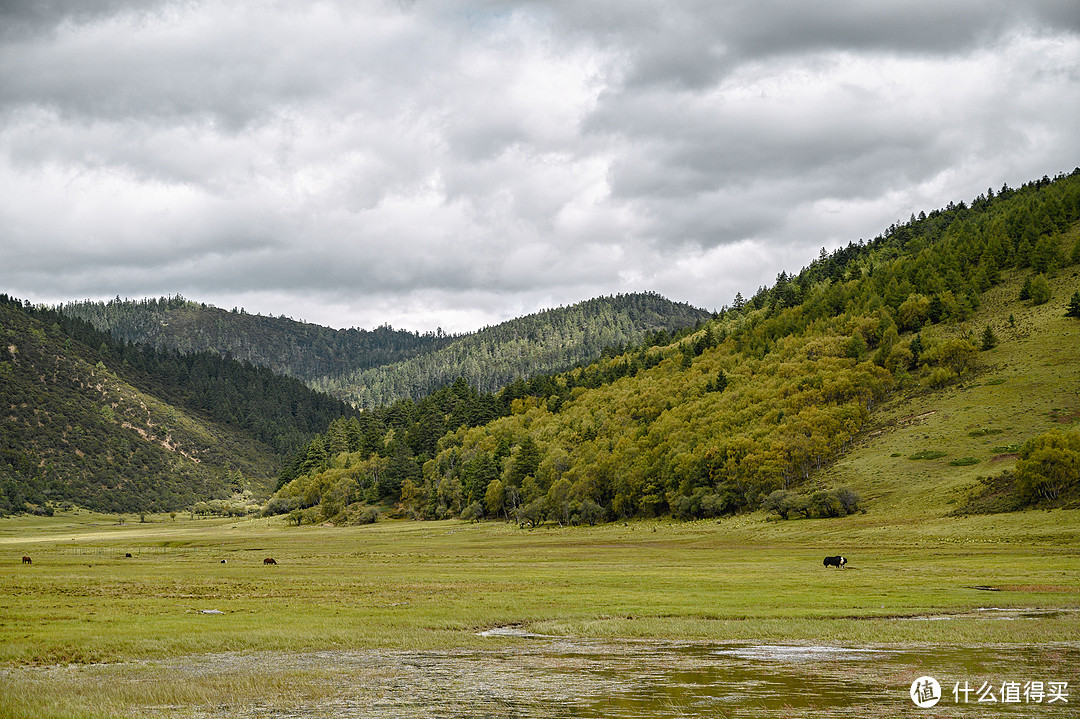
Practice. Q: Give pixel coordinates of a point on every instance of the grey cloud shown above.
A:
(704, 32)
(28, 18)
(846, 128)
(478, 157)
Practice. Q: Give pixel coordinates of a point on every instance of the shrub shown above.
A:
(1040, 290)
(826, 504)
(532, 513)
(474, 512)
(959, 355)
(940, 376)
(913, 312)
(369, 515)
(702, 504)
(773, 502)
(823, 503)
(311, 515)
(587, 512)
(713, 505)
(964, 462)
(280, 505)
(849, 499)
(785, 503)
(1049, 466)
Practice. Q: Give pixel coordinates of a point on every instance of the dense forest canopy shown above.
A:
(378, 367)
(550, 341)
(714, 421)
(299, 349)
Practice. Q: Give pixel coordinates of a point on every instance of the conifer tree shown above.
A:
(1045, 256)
(1025, 290)
(1074, 306)
(719, 384)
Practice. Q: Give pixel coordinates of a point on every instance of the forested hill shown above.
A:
(286, 346)
(378, 367)
(745, 411)
(543, 343)
(102, 424)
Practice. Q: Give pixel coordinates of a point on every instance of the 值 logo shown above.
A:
(925, 692)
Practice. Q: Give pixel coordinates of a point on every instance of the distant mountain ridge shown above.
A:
(553, 340)
(286, 346)
(377, 367)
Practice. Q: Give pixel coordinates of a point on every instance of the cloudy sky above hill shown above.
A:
(454, 164)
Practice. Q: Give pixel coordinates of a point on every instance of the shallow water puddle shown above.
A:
(541, 676)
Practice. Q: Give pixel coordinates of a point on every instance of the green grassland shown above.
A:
(435, 584)
(432, 586)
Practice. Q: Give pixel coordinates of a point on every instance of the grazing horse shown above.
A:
(27, 560)
(269, 560)
(837, 562)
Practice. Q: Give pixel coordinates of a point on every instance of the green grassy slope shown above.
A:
(1028, 384)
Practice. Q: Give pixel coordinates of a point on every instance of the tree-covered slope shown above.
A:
(298, 349)
(106, 425)
(746, 411)
(550, 341)
(378, 367)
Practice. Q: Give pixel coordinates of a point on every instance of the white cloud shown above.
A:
(459, 164)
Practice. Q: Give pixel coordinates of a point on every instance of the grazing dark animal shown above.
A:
(837, 562)
(127, 556)
(27, 560)
(269, 560)
(224, 561)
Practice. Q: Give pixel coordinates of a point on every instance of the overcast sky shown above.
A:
(455, 164)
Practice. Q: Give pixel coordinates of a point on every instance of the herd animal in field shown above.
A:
(268, 560)
(837, 561)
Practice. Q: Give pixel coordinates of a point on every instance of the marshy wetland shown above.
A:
(644, 619)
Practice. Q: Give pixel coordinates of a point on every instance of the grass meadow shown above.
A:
(86, 627)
